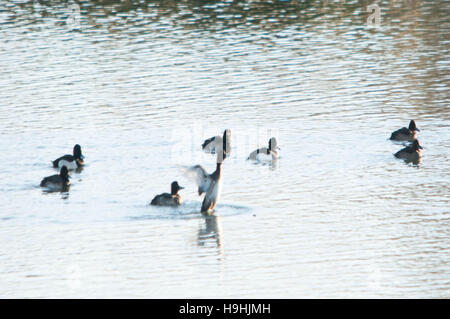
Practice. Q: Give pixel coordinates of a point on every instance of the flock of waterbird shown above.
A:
(211, 184)
(208, 184)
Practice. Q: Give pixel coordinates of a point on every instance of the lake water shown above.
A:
(140, 84)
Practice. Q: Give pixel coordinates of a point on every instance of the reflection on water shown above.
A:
(78, 170)
(211, 232)
(268, 15)
(141, 84)
(64, 193)
(415, 161)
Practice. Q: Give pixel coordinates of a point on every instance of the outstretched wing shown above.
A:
(208, 142)
(199, 175)
(211, 145)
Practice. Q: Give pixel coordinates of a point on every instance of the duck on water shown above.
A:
(406, 134)
(269, 153)
(58, 182)
(166, 199)
(70, 161)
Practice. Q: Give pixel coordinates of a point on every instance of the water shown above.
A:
(140, 84)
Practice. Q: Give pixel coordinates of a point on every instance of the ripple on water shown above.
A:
(189, 210)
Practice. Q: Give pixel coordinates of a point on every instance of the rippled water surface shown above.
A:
(140, 84)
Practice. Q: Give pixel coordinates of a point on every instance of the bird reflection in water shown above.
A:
(415, 162)
(211, 233)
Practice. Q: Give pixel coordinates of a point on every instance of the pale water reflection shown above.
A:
(141, 84)
(211, 234)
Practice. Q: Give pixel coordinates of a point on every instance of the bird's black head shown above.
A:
(77, 152)
(273, 145)
(412, 126)
(175, 188)
(64, 172)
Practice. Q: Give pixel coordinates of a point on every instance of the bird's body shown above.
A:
(212, 196)
(215, 144)
(408, 134)
(70, 161)
(58, 182)
(166, 199)
(208, 184)
(66, 160)
(263, 154)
